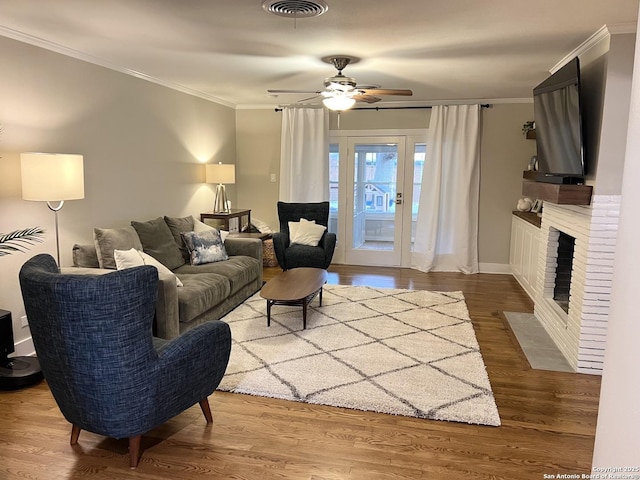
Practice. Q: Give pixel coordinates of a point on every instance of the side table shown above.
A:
(260, 236)
(236, 221)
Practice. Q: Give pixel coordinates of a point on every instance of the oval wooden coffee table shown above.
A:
(297, 286)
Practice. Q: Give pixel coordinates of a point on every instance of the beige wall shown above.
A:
(381, 119)
(615, 114)
(141, 142)
(605, 74)
(258, 147)
(505, 154)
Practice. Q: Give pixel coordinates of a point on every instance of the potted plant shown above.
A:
(529, 129)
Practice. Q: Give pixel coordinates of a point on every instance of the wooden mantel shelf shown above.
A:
(556, 193)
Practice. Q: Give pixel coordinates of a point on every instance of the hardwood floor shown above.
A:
(548, 420)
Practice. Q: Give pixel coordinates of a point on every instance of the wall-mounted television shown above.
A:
(559, 126)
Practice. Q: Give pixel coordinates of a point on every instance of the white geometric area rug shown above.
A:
(403, 352)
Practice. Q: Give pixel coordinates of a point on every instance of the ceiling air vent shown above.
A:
(295, 8)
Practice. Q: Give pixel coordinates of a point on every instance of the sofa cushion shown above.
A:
(177, 225)
(200, 293)
(85, 256)
(205, 247)
(157, 241)
(108, 239)
(238, 270)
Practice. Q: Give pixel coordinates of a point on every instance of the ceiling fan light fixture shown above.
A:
(339, 103)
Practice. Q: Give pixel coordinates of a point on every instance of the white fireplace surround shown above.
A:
(581, 333)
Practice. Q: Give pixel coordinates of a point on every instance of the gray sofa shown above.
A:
(209, 290)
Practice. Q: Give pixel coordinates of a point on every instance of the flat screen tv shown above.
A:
(558, 117)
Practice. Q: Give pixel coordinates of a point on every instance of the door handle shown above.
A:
(398, 201)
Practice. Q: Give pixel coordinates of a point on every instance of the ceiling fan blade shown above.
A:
(276, 92)
(366, 98)
(387, 91)
(307, 99)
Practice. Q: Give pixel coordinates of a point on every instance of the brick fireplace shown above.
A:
(575, 269)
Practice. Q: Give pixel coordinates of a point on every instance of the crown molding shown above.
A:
(602, 33)
(85, 57)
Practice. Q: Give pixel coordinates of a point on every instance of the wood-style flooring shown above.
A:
(548, 420)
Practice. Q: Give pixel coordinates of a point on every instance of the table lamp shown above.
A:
(52, 177)
(220, 173)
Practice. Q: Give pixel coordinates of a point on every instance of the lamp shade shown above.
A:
(51, 177)
(220, 173)
(339, 102)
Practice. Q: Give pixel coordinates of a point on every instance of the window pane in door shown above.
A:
(375, 172)
(418, 165)
(334, 178)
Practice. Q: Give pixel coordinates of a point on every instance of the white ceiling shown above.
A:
(233, 51)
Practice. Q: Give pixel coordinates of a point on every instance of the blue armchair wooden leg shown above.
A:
(206, 409)
(134, 451)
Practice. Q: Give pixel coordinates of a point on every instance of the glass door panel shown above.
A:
(419, 152)
(376, 201)
(334, 184)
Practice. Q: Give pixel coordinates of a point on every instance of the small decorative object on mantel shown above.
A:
(524, 204)
(537, 207)
(529, 129)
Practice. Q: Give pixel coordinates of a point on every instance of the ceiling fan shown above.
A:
(342, 92)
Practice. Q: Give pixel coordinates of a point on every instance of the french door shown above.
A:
(375, 187)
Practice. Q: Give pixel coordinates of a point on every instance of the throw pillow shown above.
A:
(205, 247)
(177, 226)
(136, 258)
(157, 241)
(293, 228)
(85, 256)
(199, 226)
(108, 239)
(305, 232)
(262, 227)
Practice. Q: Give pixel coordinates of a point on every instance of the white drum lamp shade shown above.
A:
(220, 173)
(52, 177)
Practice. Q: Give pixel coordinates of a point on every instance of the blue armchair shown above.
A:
(293, 255)
(106, 371)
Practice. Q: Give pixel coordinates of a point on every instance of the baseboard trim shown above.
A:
(502, 268)
(24, 348)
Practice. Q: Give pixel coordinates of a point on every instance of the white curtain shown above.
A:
(446, 236)
(304, 160)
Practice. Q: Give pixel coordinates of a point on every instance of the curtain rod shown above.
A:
(483, 105)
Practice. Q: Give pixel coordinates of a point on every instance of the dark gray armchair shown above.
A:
(293, 255)
(106, 371)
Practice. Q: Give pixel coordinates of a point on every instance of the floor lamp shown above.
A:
(52, 178)
(221, 173)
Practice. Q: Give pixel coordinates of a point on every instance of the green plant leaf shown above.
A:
(19, 240)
